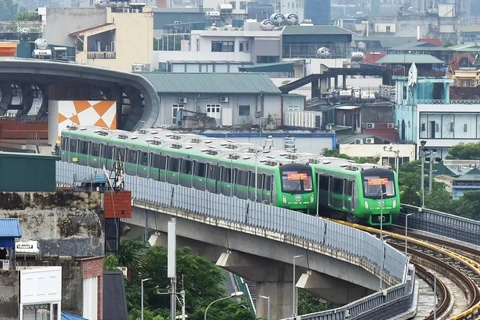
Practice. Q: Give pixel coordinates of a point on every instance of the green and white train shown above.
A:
(363, 193)
(246, 171)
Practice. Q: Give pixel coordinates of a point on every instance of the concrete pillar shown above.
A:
(315, 89)
(280, 294)
(344, 82)
(336, 81)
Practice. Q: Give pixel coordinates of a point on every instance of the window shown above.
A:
(187, 166)
(337, 185)
(373, 190)
(213, 172)
(120, 154)
(95, 150)
(244, 46)
(268, 183)
(108, 152)
(64, 143)
(173, 164)
(226, 174)
(388, 29)
(244, 110)
(132, 156)
(242, 177)
(73, 145)
(233, 4)
(199, 169)
(35, 312)
(296, 182)
(243, 5)
(176, 114)
(83, 147)
(324, 183)
(144, 158)
(214, 111)
(252, 180)
(222, 46)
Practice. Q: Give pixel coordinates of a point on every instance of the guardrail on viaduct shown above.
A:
(299, 229)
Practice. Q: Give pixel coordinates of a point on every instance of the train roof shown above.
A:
(214, 148)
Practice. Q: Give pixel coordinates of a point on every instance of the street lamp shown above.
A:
(141, 289)
(294, 299)
(422, 175)
(233, 295)
(396, 152)
(268, 306)
(406, 228)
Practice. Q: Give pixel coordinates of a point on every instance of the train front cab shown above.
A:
(380, 196)
(297, 188)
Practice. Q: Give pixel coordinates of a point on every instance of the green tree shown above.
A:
(465, 151)
(335, 153)
(110, 262)
(28, 16)
(308, 303)
(147, 315)
(8, 10)
(467, 206)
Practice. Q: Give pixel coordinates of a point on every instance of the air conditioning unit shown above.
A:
(370, 140)
(223, 99)
(390, 125)
(182, 100)
(370, 125)
(177, 22)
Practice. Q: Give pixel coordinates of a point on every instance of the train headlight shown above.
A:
(284, 199)
(365, 204)
(394, 203)
(312, 198)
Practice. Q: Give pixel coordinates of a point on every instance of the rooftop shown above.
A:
(216, 83)
(10, 228)
(409, 59)
(315, 30)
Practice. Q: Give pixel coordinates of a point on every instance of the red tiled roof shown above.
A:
(79, 32)
(372, 58)
(435, 42)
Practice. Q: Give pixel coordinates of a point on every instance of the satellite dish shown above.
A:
(41, 43)
(361, 45)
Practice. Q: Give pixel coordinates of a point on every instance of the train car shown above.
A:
(246, 171)
(364, 193)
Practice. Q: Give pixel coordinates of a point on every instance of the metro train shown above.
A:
(246, 171)
(362, 193)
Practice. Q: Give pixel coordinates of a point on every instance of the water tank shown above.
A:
(361, 45)
(41, 44)
(357, 56)
(323, 52)
(277, 18)
(292, 18)
(267, 25)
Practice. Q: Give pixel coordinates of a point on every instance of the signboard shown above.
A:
(26, 247)
(297, 176)
(377, 181)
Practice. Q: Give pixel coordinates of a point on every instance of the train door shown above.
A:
(199, 179)
(213, 178)
(251, 188)
(144, 164)
(107, 156)
(268, 186)
(94, 155)
(173, 167)
(186, 169)
(132, 162)
(330, 191)
(347, 194)
(226, 181)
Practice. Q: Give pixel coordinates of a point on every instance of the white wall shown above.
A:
(377, 150)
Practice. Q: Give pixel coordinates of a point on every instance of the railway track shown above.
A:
(444, 264)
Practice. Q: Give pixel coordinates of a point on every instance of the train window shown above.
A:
(155, 161)
(199, 169)
(83, 147)
(186, 166)
(108, 152)
(132, 156)
(119, 154)
(242, 177)
(73, 145)
(226, 174)
(252, 179)
(374, 187)
(349, 188)
(163, 162)
(64, 143)
(337, 185)
(294, 181)
(268, 183)
(173, 164)
(324, 182)
(95, 150)
(213, 171)
(143, 158)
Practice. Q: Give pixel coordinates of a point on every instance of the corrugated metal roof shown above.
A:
(269, 67)
(10, 228)
(319, 29)
(409, 59)
(219, 83)
(69, 316)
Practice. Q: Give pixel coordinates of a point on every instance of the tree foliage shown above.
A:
(27, 16)
(335, 153)
(201, 280)
(465, 151)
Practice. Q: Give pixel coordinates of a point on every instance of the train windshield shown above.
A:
(297, 181)
(375, 186)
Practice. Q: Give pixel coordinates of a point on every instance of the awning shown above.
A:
(69, 316)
